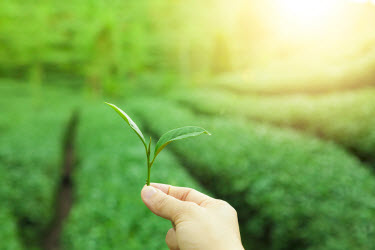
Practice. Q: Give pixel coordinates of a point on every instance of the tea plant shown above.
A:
(165, 139)
(348, 118)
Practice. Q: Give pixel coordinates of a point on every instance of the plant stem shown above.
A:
(148, 152)
(148, 174)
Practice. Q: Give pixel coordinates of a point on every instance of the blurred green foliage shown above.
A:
(102, 42)
(8, 231)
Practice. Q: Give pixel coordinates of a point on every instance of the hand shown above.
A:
(199, 221)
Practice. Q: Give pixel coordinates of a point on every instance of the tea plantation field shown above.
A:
(30, 155)
(290, 190)
(346, 118)
(297, 168)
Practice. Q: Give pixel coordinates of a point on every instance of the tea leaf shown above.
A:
(177, 134)
(129, 121)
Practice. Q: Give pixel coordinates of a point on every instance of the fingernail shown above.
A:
(148, 192)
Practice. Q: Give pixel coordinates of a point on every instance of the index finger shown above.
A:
(184, 193)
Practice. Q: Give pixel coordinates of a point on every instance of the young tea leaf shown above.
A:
(177, 134)
(173, 135)
(130, 122)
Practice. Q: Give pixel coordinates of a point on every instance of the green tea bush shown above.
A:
(108, 212)
(31, 157)
(8, 231)
(291, 191)
(347, 118)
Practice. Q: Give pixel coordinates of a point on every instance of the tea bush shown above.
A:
(291, 191)
(8, 231)
(347, 118)
(30, 156)
(108, 212)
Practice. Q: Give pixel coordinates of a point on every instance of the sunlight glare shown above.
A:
(362, 1)
(306, 11)
(359, 1)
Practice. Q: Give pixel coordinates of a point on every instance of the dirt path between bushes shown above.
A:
(64, 196)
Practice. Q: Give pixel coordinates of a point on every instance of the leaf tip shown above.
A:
(206, 132)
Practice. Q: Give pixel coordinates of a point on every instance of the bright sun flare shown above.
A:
(310, 11)
(306, 11)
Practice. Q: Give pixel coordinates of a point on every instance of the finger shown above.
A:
(171, 239)
(184, 194)
(162, 204)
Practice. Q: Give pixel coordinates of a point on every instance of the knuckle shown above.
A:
(190, 205)
(192, 209)
(222, 203)
(226, 207)
(178, 217)
(161, 204)
(187, 211)
(187, 193)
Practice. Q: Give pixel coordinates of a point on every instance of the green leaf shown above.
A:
(177, 134)
(130, 122)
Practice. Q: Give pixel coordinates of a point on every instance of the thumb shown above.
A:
(162, 204)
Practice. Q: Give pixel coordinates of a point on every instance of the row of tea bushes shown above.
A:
(108, 212)
(291, 191)
(347, 118)
(8, 231)
(30, 157)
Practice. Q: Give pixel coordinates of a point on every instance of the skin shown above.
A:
(199, 221)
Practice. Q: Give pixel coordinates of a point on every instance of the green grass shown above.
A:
(108, 212)
(346, 118)
(291, 191)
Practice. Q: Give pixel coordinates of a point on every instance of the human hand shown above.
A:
(200, 222)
